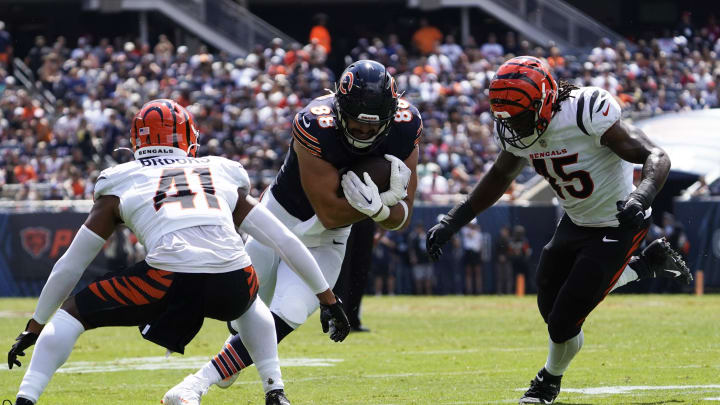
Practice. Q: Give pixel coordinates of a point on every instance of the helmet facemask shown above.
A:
(363, 145)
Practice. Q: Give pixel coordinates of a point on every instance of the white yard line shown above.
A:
(170, 363)
(626, 389)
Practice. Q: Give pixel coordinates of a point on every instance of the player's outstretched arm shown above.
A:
(67, 271)
(261, 224)
(632, 145)
(490, 188)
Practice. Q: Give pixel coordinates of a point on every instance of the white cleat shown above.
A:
(227, 382)
(188, 392)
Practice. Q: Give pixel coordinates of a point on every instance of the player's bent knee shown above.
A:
(70, 306)
(561, 332)
(294, 312)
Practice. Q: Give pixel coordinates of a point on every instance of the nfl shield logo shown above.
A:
(35, 240)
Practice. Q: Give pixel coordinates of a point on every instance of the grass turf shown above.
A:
(424, 350)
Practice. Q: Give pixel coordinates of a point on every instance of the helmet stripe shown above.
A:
(174, 131)
(519, 90)
(503, 101)
(518, 75)
(159, 111)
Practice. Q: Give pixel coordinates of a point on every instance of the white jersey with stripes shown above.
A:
(180, 209)
(587, 177)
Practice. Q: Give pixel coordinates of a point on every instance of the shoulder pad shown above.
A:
(109, 178)
(315, 124)
(597, 110)
(237, 173)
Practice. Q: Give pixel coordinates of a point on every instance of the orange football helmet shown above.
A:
(522, 95)
(163, 122)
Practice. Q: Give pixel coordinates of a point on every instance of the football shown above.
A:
(376, 166)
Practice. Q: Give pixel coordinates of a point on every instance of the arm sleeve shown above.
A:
(66, 272)
(268, 230)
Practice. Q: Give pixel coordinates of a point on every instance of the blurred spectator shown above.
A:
(472, 245)
(491, 49)
(520, 251)
(319, 32)
(504, 279)
(420, 261)
(427, 37)
(384, 263)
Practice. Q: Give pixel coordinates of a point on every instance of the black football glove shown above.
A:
(334, 320)
(436, 237)
(22, 342)
(631, 213)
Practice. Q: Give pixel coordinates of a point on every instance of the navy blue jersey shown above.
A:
(316, 128)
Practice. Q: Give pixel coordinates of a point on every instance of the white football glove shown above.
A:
(399, 180)
(364, 197)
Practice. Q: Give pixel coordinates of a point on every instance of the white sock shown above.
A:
(561, 354)
(52, 348)
(256, 328)
(627, 276)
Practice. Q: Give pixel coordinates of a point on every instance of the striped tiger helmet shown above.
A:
(165, 123)
(522, 95)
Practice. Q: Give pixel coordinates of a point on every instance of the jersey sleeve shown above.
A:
(302, 129)
(597, 111)
(409, 126)
(104, 185)
(237, 173)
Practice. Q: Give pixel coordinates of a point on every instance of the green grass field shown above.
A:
(642, 350)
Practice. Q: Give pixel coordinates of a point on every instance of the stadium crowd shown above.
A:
(244, 106)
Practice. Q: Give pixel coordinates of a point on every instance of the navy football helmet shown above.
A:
(367, 94)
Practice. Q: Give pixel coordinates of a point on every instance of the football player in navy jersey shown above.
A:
(365, 116)
(575, 139)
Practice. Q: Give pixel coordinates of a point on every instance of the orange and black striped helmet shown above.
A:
(522, 95)
(163, 122)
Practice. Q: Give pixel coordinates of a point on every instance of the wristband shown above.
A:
(382, 214)
(405, 208)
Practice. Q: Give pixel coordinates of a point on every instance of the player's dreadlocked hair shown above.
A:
(564, 89)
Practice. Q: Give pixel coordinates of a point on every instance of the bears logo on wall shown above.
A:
(35, 240)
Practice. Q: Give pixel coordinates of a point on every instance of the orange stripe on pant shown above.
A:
(129, 292)
(105, 284)
(157, 275)
(93, 287)
(147, 288)
(637, 240)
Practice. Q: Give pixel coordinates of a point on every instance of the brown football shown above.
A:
(376, 166)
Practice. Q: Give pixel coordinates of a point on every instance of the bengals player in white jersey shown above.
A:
(575, 139)
(185, 210)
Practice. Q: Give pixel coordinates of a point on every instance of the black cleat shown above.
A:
(544, 388)
(663, 261)
(23, 401)
(276, 397)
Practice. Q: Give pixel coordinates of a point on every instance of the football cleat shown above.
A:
(188, 392)
(276, 397)
(544, 388)
(22, 401)
(663, 261)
